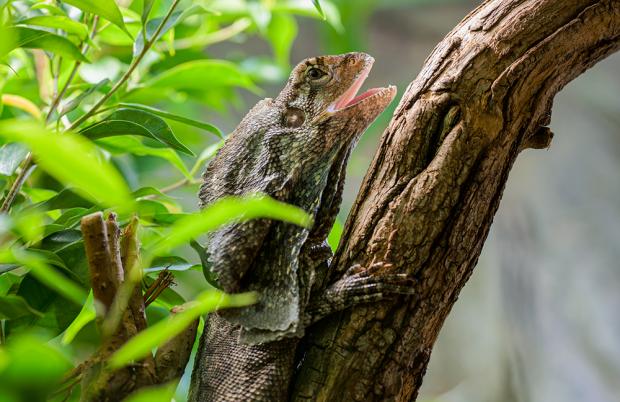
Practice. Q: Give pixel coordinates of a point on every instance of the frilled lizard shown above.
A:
(293, 148)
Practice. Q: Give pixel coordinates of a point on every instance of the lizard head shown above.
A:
(321, 95)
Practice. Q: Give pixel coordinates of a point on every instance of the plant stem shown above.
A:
(76, 66)
(17, 184)
(176, 185)
(172, 187)
(130, 70)
(28, 164)
(210, 38)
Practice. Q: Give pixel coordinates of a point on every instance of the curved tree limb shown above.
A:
(428, 200)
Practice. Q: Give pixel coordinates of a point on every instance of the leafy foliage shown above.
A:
(102, 108)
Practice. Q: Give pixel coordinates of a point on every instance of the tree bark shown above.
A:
(428, 200)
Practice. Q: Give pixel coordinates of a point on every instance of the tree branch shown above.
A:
(104, 273)
(429, 197)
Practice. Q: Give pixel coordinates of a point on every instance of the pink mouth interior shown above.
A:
(348, 98)
(362, 96)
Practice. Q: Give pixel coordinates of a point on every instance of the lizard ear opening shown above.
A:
(294, 117)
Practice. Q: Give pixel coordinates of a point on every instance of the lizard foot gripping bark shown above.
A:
(294, 148)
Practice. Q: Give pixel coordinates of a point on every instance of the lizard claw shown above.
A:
(374, 268)
(360, 285)
(374, 283)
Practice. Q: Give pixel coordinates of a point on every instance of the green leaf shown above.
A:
(74, 257)
(197, 73)
(166, 260)
(86, 315)
(100, 69)
(159, 393)
(224, 211)
(135, 122)
(52, 9)
(329, 11)
(317, 5)
(46, 274)
(281, 32)
(11, 155)
(8, 283)
(75, 102)
(37, 39)
(61, 239)
(148, 191)
(158, 334)
(205, 264)
(174, 19)
(260, 15)
(147, 5)
(205, 126)
(52, 228)
(208, 153)
(104, 8)
(8, 43)
(33, 367)
(175, 267)
(13, 306)
(167, 219)
(39, 194)
(8, 267)
(127, 144)
(72, 160)
(57, 312)
(334, 235)
(66, 198)
(71, 217)
(29, 224)
(149, 208)
(60, 22)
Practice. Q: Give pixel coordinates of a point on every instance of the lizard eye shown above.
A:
(315, 73)
(316, 76)
(294, 117)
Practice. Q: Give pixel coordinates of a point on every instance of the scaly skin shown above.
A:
(294, 148)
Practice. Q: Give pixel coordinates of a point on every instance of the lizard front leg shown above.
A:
(359, 285)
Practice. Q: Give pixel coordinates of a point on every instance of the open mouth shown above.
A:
(350, 98)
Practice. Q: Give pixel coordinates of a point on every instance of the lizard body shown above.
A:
(294, 148)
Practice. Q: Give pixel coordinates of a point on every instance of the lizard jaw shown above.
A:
(350, 98)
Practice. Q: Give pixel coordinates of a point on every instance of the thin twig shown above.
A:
(176, 185)
(210, 38)
(171, 187)
(17, 184)
(67, 388)
(163, 281)
(28, 164)
(56, 76)
(76, 67)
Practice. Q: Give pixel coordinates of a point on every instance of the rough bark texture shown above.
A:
(428, 200)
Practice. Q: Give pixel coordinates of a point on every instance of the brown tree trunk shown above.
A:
(428, 200)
